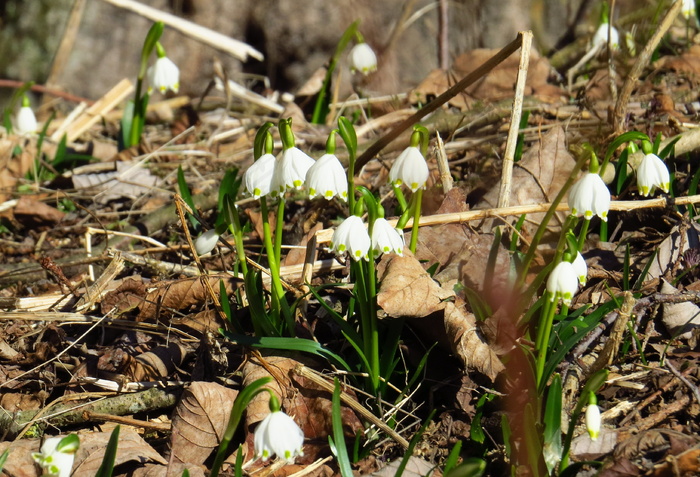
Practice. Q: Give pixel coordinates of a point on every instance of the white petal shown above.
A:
(326, 177)
(386, 238)
(164, 75)
(563, 282)
(581, 268)
(410, 168)
(351, 236)
(25, 121)
(258, 177)
(290, 171)
(593, 421)
(652, 173)
(206, 242)
(601, 36)
(589, 196)
(363, 59)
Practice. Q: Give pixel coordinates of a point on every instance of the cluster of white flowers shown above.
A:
(564, 280)
(352, 237)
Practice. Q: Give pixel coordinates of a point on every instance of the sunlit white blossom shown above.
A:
(326, 177)
(688, 8)
(581, 268)
(258, 178)
(410, 168)
(279, 435)
(290, 170)
(593, 421)
(590, 196)
(563, 282)
(652, 173)
(363, 59)
(600, 39)
(57, 455)
(386, 238)
(25, 121)
(164, 75)
(206, 242)
(351, 236)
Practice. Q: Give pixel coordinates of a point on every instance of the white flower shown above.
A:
(278, 434)
(57, 463)
(351, 236)
(581, 268)
(25, 121)
(563, 282)
(327, 178)
(290, 170)
(593, 421)
(386, 238)
(600, 39)
(258, 177)
(363, 59)
(206, 242)
(688, 8)
(410, 168)
(590, 196)
(652, 173)
(164, 75)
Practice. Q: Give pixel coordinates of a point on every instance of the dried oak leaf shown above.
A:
(679, 318)
(131, 447)
(407, 290)
(199, 421)
(172, 469)
(127, 296)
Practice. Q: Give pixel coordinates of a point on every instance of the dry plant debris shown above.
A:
(143, 348)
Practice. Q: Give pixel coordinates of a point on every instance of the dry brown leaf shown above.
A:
(129, 179)
(496, 85)
(687, 63)
(33, 213)
(14, 167)
(679, 318)
(583, 448)
(407, 290)
(131, 447)
(537, 178)
(20, 463)
(180, 295)
(416, 467)
(682, 237)
(172, 470)
(199, 421)
(467, 342)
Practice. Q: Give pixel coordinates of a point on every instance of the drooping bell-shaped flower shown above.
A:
(581, 268)
(410, 168)
(25, 120)
(363, 59)
(258, 178)
(688, 8)
(164, 75)
(563, 282)
(590, 196)
(351, 236)
(600, 39)
(279, 435)
(293, 164)
(206, 242)
(326, 177)
(57, 455)
(652, 173)
(386, 239)
(593, 420)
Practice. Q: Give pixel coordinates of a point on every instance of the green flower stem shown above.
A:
(351, 180)
(370, 340)
(277, 291)
(374, 328)
(543, 333)
(321, 106)
(237, 232)
(582, 234)
(532, 249)
(400, 197)
(279, 226)
(417, 206)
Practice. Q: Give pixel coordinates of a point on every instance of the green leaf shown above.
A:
(621, 171)
(347, 132)
(477, 431)
(107, 467)
(470, 467)
(242, 400)
(412, 445)
(69, 444)
(552, 425)
(452, 459)
(622, 139)
(3, 458)
(338, 440)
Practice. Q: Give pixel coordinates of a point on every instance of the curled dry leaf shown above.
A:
(408, 291)
(199, 421)
(131, 447)
(679, 318)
